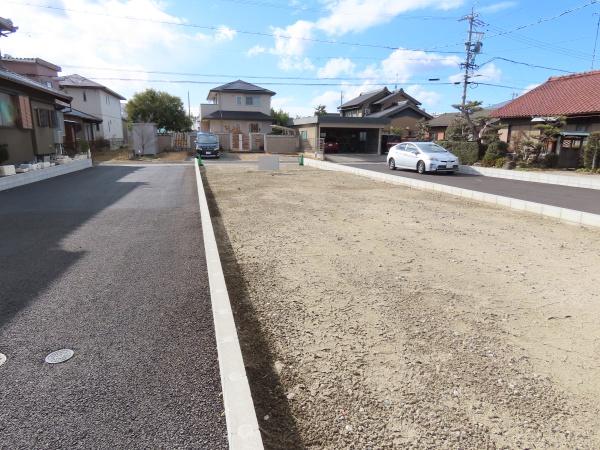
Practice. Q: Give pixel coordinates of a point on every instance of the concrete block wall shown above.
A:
(22, 179)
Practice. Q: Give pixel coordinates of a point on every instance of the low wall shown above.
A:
(580, 181)
(563, 214)
(281, 144)
(22, 179)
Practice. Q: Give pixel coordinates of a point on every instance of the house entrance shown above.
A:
(570, 152)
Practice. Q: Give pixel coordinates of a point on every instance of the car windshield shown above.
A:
(206, 139)
(430, 147)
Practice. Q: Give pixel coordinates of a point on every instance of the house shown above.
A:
(402, 110)
(439, 124)
(99, 102)
(30, 119)
(576, 97)
(37, 69)
(239, 113)
(348, 134)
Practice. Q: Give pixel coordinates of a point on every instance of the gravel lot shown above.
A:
(374, 316)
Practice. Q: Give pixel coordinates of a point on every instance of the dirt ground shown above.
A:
(375, 316)
(125, 155)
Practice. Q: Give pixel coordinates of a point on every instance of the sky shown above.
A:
(309, 52)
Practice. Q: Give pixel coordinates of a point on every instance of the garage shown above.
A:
(332, 133)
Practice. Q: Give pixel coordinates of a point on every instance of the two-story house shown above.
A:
(98, 101)
(402, 110)
(237, 110)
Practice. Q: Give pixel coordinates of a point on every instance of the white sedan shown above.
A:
(422, 157)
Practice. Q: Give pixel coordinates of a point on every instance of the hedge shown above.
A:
(467, 152)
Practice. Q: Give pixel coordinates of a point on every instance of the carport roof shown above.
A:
(335, 119)
(238, 115)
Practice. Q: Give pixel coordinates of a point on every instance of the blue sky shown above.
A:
(92, 38)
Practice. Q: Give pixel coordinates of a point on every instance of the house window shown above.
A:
(97, 127)
(252, 101)
(304, 135)
(84, 96)
(8, 112)
(238, 100)
(254, 128)
(107, 99)
(581, 127)
(109, 123)
(362, 136)
(45, 118)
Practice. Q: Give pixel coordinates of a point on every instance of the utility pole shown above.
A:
(596, 40)
(189, 108)
(473, 47)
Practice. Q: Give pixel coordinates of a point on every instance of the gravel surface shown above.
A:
(396, 318)
(108, 262)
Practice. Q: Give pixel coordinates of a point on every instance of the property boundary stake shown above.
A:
(570, 216)
(242, 427)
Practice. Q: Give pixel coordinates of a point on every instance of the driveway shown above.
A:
(586, 200)
(108, 262)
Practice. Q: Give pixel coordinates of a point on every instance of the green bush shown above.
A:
(83, 146)
(495, 150)
(591, 152)
(467, 152)
(3, 153)
(499, 163)
(549, 161)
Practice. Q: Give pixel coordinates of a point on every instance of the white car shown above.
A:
(422, 157)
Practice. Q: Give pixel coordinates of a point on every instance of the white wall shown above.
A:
(95, 104)
(228, 102)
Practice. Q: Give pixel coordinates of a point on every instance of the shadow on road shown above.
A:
(280, 431)
(36, 217)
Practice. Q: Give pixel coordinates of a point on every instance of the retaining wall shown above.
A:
(22, 179)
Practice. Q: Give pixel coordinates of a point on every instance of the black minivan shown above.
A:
(207, 145)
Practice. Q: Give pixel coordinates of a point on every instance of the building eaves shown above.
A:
(28, 82)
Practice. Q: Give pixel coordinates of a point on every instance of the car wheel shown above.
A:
(421, 167)
(392, 164)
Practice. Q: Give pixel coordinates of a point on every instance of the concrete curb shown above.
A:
(21, 179)
(242, 426)
(565, 215)
(579, 181)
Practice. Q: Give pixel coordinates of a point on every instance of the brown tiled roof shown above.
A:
(569, 95)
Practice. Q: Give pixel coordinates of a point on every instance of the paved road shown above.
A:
(587, 200)
(109, 262)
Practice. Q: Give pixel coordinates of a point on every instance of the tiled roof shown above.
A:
(568, 95)
(364, 96)
(241, 86)
(77, 81)
(39, 61)
(399, 92)
(25, 81)
(391, 111)
(80, 114)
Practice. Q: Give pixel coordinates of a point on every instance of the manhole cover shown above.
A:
(59, 356)
(2, 358)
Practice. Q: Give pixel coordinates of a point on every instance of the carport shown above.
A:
(353, 134)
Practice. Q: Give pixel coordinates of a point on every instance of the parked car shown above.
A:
(422, 157)
(207, 145)
(332, 146)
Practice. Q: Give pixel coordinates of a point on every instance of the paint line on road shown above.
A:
(563, 214)
(242, 426)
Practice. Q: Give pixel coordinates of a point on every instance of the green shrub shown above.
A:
(549, 160)
(499, 163)
(467, 152)
(495, 150)
(83, 146)
(591, 152)
(3, 153)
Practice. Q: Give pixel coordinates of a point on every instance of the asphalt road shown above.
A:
(587, 200)
(108, 262)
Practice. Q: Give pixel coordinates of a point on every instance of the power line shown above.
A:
(215, 28)
(495, 58)
(306, 8)
(293, 84)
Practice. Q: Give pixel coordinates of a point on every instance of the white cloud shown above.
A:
(429, 99)
(291, 50)
(336, 67)
(496, 7)
(222, 34)
(70, 38)
(402, 65)
(358, 15)
(256, 50)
